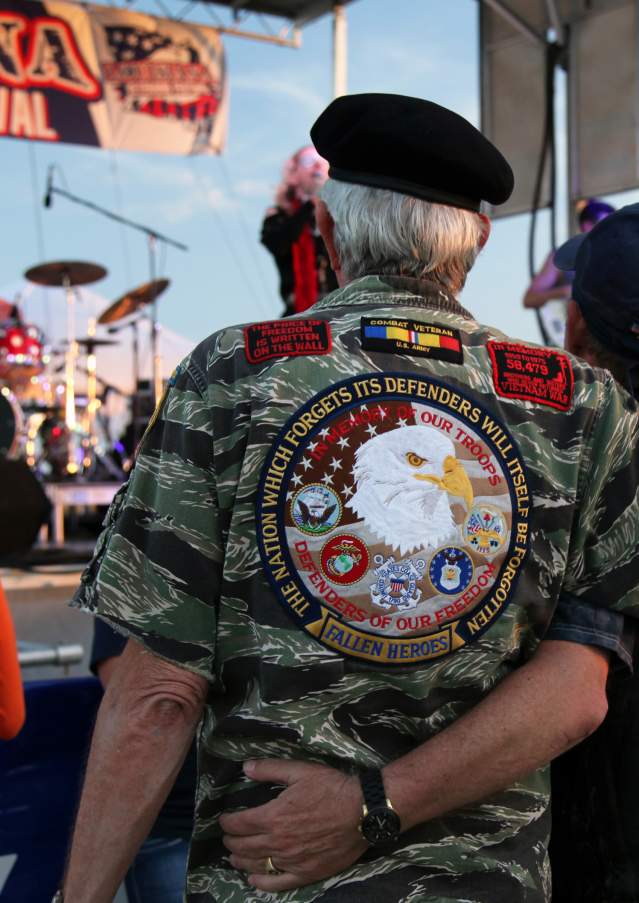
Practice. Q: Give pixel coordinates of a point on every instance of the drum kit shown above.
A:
(43, 418)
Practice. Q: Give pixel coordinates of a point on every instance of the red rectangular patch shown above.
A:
(533, 374)
(286, 338)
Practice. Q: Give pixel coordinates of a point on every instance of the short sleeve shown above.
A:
(603, 557)
(156, 570)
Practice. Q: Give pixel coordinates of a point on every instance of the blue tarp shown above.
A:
(40, 773)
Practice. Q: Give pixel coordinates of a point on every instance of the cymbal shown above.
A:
(34, 407)
(134, 300)
(91, 341)
(61, 272)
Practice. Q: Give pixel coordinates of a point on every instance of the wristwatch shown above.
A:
(58, 897)
(380, 824)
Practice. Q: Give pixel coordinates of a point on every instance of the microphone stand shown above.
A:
(135, 400)
(153, 237)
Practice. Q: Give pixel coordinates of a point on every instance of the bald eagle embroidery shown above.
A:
(405, 479)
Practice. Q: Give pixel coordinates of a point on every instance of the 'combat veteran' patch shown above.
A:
(286, 338)
(393, 518)
(532, 374)
(412, 337)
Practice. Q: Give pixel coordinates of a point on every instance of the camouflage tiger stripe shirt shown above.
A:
(354, 523)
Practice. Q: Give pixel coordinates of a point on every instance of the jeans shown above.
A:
(158, 872)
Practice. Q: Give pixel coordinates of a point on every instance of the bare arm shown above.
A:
(508, 735)
(546, 286)
(505, 737)
(144, 729)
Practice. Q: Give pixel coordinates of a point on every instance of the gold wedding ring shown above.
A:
(271, 868)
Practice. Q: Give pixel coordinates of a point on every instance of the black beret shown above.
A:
(411, 146)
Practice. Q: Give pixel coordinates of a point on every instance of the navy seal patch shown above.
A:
(393, 518)
(316, 509)
(542, 375)
(286, 338)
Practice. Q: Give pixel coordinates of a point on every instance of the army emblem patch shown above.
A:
(393, 518)
(485, 529)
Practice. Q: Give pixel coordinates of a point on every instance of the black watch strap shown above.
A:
(373, 788)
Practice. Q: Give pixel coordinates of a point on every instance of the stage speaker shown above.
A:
(24, 507)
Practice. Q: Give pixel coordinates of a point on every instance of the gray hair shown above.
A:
(380, 231)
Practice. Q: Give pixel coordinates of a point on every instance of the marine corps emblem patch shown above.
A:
(393, 518)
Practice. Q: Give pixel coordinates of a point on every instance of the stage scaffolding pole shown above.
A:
(340, 51)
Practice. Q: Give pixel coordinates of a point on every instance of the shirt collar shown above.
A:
(400, 291)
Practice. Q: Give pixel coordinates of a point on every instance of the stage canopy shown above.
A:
(301, 12)
(595, 42)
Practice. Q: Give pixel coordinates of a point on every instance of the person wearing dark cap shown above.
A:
(373, 720)
(603, 313)
(550, 289)
(595, 834)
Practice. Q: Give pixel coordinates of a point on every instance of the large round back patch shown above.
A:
(392, 518)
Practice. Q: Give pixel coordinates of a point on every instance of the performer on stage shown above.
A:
(554, 286)
(290, 234)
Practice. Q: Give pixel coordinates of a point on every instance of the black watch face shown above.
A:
(380, 825)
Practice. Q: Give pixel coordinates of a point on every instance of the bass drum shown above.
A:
(11, 424)
(21, 352)
(52, 446)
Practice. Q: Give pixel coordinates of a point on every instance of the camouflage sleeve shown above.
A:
(577, 621)
(603, 557)
(155, 574)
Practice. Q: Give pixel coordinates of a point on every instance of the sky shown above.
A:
(215, 204)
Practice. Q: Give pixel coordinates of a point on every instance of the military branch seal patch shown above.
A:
(393, 518)
(286, 338)
(542, 375)
(412, 337)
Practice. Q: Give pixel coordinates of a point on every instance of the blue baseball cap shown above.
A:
(593, 210)
(606, 279)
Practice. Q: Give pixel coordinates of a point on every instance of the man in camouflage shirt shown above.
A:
(343, 540)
